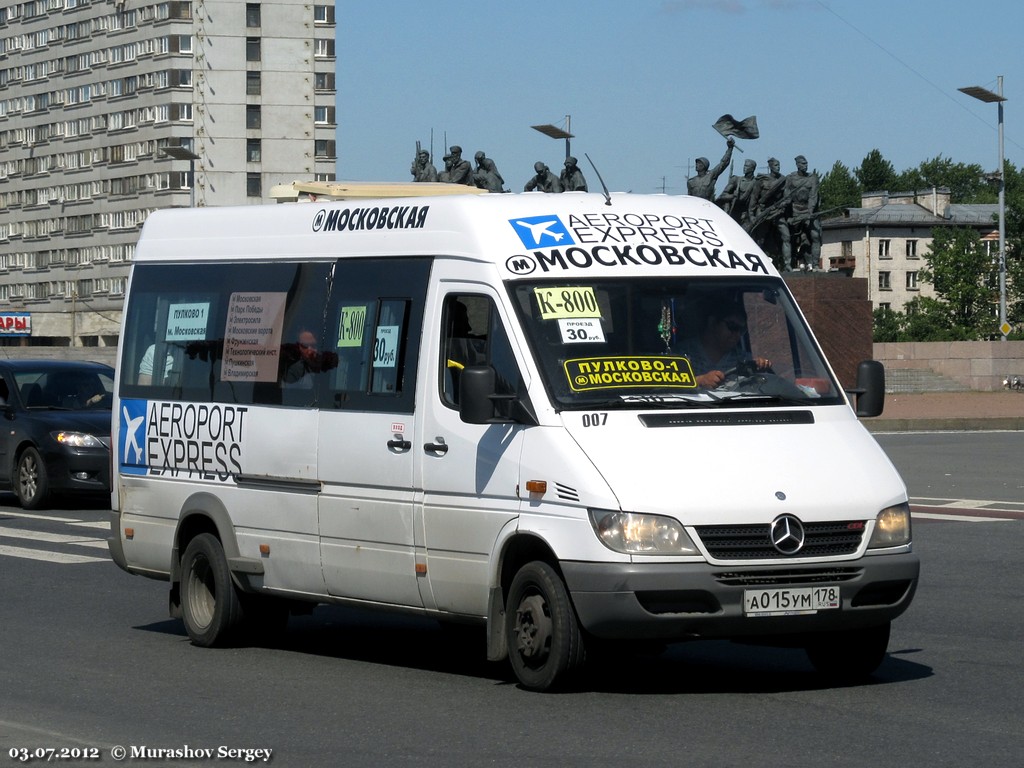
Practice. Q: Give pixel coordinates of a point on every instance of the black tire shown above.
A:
(545, 644)
(851, 656)
(31, 485)
(210, 606)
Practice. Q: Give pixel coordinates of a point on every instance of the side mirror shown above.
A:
(870, 391)
(476, 390)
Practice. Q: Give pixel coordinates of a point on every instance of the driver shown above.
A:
(717, 349)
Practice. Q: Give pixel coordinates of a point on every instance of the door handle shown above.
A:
(399, 445)
(435, 447)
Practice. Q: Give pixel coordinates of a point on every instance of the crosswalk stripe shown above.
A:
(961, 518)
(52, 538)
(50, 557)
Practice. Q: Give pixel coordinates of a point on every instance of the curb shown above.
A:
(976, 424)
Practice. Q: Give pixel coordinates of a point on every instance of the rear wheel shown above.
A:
(851, 656)
(210, 606)
(544, 639)
(32, 485)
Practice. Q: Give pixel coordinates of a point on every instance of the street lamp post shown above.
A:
(183, 153)
(558, 133)
(983, 94)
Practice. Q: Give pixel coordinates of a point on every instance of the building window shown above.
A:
(324, 48)
(911, 281)
(884, 283)
(323, 14)
(883, 249)
(253, 185)
(323, 115)
(252, 14)
(253, 151)
(911, 249)
(252, 49)
(846, 249)
(253, 117)
(323, 81)
(253, 83)
(884, 305)
(324, 148)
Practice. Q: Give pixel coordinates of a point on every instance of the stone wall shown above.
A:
(839, 312)
(978, 365)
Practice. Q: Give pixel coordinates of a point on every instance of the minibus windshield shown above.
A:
(672, 342)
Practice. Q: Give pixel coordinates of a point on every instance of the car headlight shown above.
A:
(77, 439)
(636, 534)
(892, 527)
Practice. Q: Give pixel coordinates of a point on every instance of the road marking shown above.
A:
(30, 516)
(52, 538)
(50, 557)
(100, 524)
(966, 510)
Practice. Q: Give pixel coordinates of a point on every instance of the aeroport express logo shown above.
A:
(200, 441)
(542, 232)
(131, 453)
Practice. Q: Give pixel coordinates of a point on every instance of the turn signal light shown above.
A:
(537, 486)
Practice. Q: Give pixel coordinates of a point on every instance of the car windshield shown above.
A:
(72, 389)
(672, 342)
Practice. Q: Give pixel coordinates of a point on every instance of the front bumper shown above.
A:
(81, 470)
(696, 600)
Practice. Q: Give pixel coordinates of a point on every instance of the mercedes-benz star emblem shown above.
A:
(787, 534)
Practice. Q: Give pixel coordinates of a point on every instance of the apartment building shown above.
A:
(887, 238)
(111, 109)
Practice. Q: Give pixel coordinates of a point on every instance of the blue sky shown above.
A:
(643, 81)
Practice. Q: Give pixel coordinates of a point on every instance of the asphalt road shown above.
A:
(89, 660)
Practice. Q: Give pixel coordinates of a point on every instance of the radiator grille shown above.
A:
(753, 542)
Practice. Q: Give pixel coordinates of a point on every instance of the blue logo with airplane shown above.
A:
(131, 449)
(542, 231)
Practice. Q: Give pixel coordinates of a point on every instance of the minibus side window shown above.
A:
(373, 324)
(474, 335)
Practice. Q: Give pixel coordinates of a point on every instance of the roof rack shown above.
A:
(311, 191)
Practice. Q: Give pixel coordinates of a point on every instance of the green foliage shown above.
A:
(888, 325)
(966, 183)
(876, 174)
(838, 190)
(961, 271)
(929, 319)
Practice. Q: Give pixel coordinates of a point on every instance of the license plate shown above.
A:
(789, 602)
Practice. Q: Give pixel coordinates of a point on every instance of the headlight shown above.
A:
(77, 439)
(636, 534)
(892, 527)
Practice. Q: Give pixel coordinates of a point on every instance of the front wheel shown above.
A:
(544, 639)
(850, 656)
(210, 605)
(32, 485)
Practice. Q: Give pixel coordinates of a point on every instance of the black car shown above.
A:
(56, 432)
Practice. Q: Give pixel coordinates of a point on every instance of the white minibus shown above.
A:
(575, 420)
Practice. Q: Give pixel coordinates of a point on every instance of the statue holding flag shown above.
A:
(703, 184)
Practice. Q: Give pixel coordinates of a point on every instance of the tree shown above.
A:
(888, 325)
(929, 319)
(960, 269)
(838, 190)
(966, 183)
(875, 174)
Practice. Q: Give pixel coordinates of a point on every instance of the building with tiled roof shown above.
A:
(887, 238)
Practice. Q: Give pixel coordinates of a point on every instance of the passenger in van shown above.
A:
(146, 366)
(717, 348)
(301, 360)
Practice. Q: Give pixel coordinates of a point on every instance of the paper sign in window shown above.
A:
(252, 336)
(351, 325)
(187, 322)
